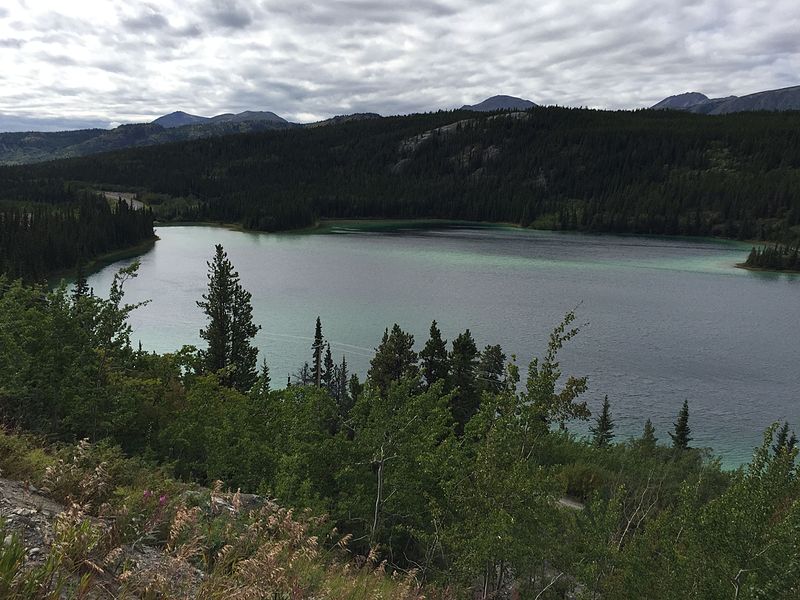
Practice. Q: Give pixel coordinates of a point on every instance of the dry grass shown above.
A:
(111, 542)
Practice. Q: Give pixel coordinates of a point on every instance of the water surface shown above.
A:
(665, 319)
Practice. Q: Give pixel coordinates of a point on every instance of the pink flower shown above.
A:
(162, 500)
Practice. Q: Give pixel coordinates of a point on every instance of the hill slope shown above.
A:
(657, 172)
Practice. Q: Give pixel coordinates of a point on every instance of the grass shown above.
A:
(203, 543)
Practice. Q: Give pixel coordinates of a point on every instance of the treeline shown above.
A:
(445, 461)
(654, 172)
(38, 238)
(776, 257)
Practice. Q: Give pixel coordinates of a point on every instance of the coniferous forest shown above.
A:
(651, 172)
(449, 466)
(61, 229)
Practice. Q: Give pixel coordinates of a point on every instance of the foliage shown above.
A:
(680, 437)
(482, 506)
(603, 430)
(230, 326)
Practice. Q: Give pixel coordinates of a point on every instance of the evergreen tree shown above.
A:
(81, 285)
(680, 438)
(491, 368)
(463, 379)
(433, 357)
(394, 359)
(230, 325)
(603, 430)
(328, 370)
(262, 385)
(354, 388)
(784, 442)
(317, 347)
(648, 440)
(343, 399)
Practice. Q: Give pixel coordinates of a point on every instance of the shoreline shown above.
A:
(103, 260)
(747, 267)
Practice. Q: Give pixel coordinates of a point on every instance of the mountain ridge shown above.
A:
(780, 99)
(500, 102)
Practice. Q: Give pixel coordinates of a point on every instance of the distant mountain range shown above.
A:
(774, 100)
(29, 147)
(181, 119)
(179, 126)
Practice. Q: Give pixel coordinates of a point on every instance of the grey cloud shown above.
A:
(3, 12)
(61, 60)
(11, 122)
(318, 58)
(147, 21)
(229, 14)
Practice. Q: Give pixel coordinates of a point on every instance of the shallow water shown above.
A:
(666, 319)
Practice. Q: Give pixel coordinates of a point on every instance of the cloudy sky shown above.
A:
(100, 63)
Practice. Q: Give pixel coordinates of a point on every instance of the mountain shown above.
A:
(181, 119)
(31, 147)
(178, 119)
(500, 103)
(248, 116)
(772, 100)
(681, 101)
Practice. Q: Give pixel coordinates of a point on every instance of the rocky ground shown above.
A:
(29, 514)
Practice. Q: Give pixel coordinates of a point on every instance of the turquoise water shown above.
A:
(665, 319)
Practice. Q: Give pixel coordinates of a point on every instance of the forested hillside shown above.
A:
(657, 172)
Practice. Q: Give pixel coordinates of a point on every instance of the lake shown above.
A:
(664, 319)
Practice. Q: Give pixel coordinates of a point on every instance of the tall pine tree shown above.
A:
(463, 379)
(603, 430)
(317, 348)
(433, 357)
(230, 326)
(680, 438)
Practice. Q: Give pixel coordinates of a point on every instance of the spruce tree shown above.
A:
(354, 388)
(262, 386)
(433, 357)
(81, 285)
(328, 370)
(648, 440)
(463, 379)
(491, 368)
(603, 430)
(230, 325)
(342, 396)
(394, 359)
(784, 442)
(317, 348)
(680, 438)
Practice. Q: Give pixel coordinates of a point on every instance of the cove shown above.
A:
(663, 319)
